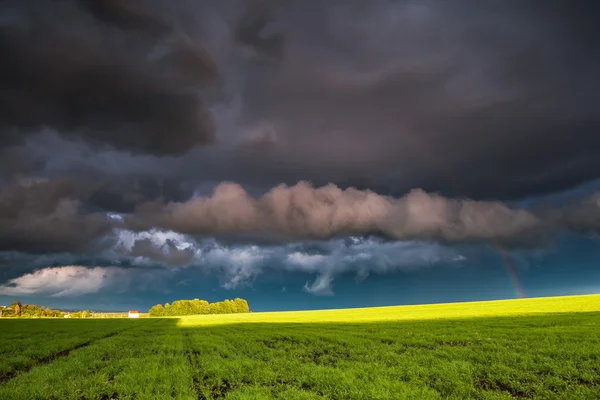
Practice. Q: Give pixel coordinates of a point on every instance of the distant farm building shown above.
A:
(134, 314)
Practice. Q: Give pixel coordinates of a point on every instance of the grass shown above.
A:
(26, 342)
(535, 348)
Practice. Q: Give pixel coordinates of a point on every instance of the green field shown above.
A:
(535, 348)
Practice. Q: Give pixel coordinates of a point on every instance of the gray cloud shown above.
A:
(49, 216)
(581, 216)
(126, 15)
(117, 76)
(472, 100)
(239, 264)
(167, 253)
(251, 29)
(321, 286)
(234, 265)
(67, 281)
(39, 216)
(359, 256)
(475, 99)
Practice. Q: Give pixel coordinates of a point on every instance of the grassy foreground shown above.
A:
(535, 348)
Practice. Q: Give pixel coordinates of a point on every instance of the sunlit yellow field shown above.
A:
(516, 307)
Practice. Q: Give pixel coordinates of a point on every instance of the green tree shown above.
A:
(198, 307)
(16, 307)
(156, 310)
(229, 306)
(241, 305)
(8, 313)
(175, 308)
(204, 307)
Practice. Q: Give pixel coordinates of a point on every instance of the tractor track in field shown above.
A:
(5, 377)
(217, 389)
(192, 357)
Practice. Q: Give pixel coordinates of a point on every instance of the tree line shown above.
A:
(19, 310)
(199, 307)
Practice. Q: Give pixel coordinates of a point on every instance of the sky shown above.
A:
(298, 154)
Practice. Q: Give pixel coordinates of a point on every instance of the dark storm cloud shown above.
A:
(110, 73)
(127, 15)
(168, 253)
(483, 100)
(41, 216)
(252, 29)
(123, 194)
(480, 101)
(582, 216)
(16, 160)
(475, 98)
(46, 217)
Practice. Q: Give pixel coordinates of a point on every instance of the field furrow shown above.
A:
(28, 343)
(141, 362)
(50, 358)
(195, 372)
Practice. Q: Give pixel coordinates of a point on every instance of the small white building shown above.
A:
(134, 314)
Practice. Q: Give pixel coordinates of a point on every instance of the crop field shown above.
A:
(533, 348)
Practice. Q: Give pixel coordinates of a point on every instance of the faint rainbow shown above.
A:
(510, 271)
(514, 281)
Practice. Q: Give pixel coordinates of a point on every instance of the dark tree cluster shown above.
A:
(199, 307)
(18, 310)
